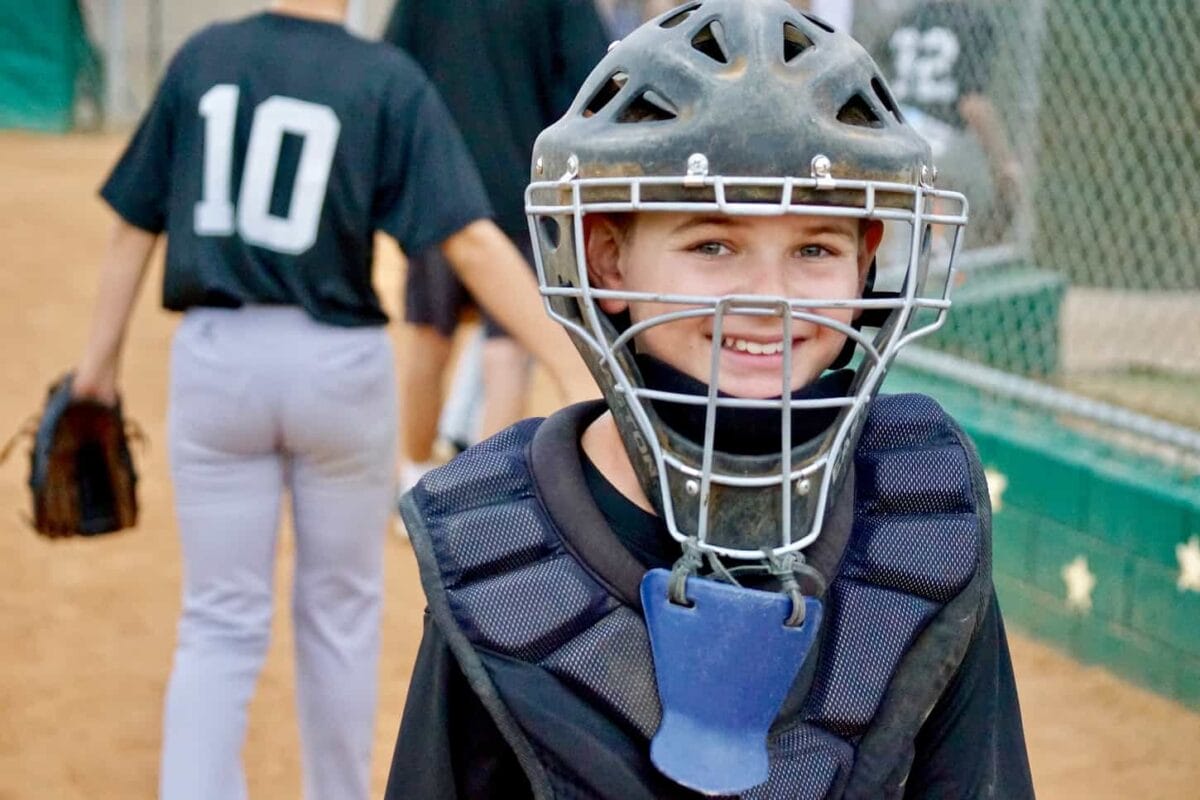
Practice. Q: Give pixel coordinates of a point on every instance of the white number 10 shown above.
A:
(275, 116)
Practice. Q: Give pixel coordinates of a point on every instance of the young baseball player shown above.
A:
(275, 148)
(506, 69)
(745, 573)
(939, 57)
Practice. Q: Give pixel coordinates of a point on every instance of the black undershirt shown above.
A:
(643, 534)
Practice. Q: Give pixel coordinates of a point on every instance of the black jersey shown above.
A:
(937, 55)
(274, 149)
(507, 69)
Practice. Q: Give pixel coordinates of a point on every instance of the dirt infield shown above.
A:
(88, 626)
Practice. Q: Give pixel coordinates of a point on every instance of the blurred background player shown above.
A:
(625, 15)
(506, 70)
(621, 16)
(939, 56)
(274, 149)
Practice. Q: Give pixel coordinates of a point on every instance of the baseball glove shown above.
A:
(81, 472)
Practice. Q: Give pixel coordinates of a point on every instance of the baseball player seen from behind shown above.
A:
(940, 57)
(746, 572)
(274, 149)
(506, 69)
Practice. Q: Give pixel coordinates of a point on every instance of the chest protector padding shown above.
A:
(920, 543)
(513, 588)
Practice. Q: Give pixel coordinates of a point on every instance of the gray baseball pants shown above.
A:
(265, 402)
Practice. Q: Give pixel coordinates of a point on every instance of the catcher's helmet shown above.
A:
(737, 107)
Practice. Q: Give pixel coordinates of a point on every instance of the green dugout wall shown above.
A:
(1097, 549)
(43, 49)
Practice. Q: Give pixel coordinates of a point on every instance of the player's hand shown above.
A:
(94, 382)
(1008, 179)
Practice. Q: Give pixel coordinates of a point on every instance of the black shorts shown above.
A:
(434, 296)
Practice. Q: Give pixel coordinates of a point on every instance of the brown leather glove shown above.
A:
(81, 472)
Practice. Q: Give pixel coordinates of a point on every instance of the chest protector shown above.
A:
(911, 586)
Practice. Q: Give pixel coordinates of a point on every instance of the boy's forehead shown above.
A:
(806, 223)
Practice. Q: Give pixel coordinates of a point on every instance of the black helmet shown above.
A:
(737, 107)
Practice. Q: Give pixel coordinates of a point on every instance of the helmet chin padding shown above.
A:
(732, 107)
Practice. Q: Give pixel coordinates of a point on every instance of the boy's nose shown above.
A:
(769, 277)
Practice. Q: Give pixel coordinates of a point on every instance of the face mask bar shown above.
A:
(603, 195)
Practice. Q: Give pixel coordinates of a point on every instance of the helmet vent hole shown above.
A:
(604, 95)
(820, 23)
(885, 97)
(649, 106)
(710, 42)
(551, 231)
(795, 42)
(858, 112)
(679, 16)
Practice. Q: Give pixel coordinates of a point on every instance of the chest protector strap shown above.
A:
(912, 585)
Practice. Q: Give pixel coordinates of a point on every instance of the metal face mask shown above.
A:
(741, 107)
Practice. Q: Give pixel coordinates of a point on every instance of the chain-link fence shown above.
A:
(1070, 125)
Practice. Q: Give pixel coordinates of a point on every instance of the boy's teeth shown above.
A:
(753, 348)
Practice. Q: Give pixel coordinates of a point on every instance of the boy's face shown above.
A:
(819, 258)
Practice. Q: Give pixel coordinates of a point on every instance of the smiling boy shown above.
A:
(745, 573)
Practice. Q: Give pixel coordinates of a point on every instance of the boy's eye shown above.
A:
(813, 251)
(710, 249)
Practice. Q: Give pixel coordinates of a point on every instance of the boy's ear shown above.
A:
(872, 235)
(603, 241)
(869, 240)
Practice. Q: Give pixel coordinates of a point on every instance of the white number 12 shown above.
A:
(924, 65)
(318, 125)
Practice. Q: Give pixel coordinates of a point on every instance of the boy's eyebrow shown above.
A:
(830, 227)
(699, 222)
(822, 227)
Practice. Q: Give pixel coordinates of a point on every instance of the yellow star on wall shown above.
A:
(997, 482)
(1080, 583)
(1188, 556)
